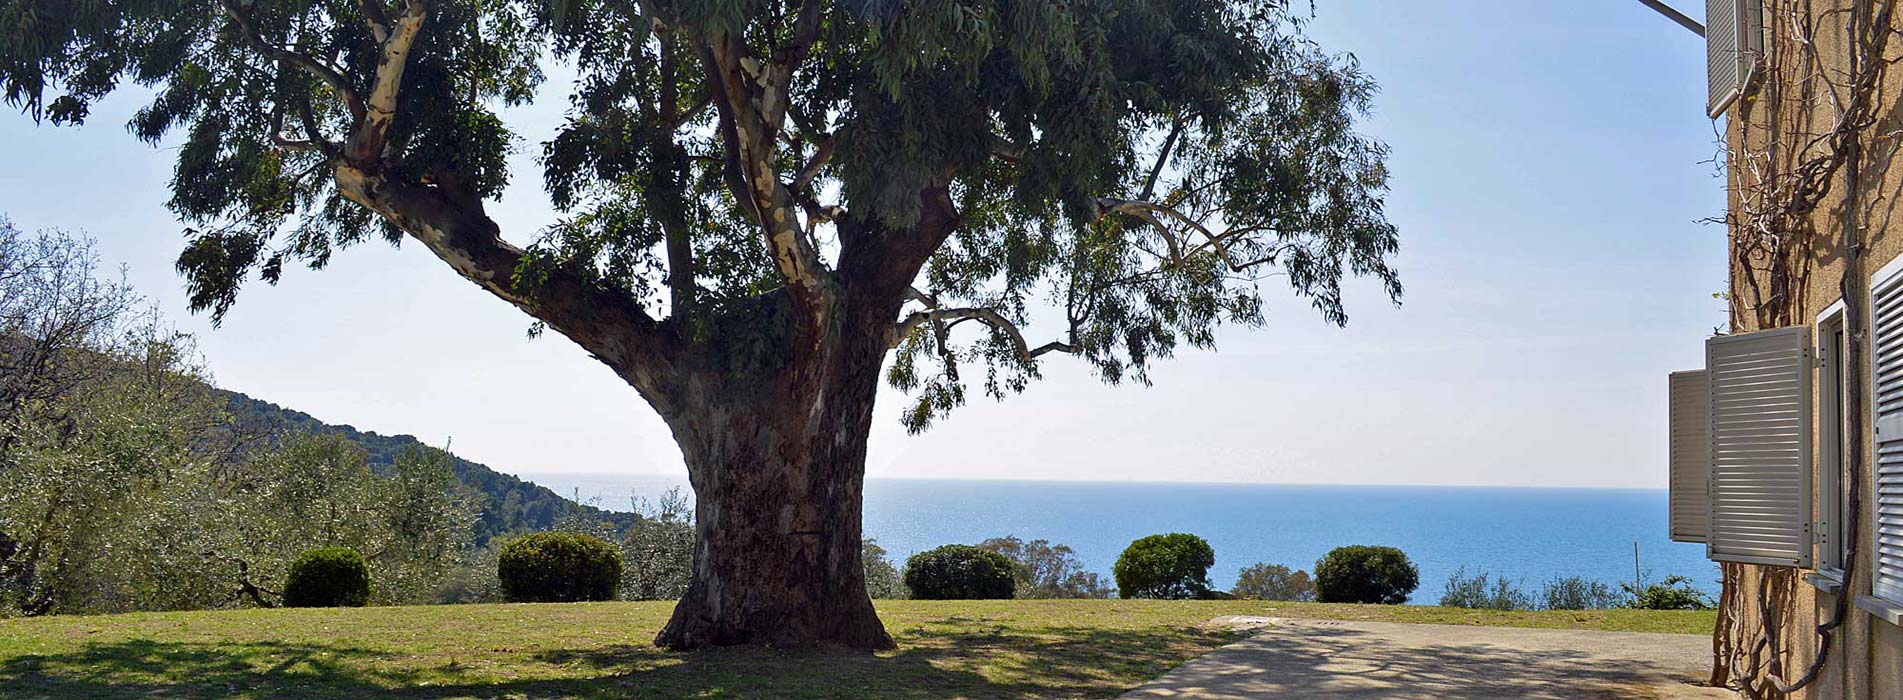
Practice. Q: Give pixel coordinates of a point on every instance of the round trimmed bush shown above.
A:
(1173, 567)
(558, 567)
(327, 577)
(1365, 574)
(959, 572)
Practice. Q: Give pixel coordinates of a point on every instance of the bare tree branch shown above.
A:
(946, 318)
(813, 165)
(1162, 158)
(1153, 214)
(337, 82)
(1003, 149)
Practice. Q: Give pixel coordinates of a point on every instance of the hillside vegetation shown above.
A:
(971, 649)
(508, 505)
(129, 482)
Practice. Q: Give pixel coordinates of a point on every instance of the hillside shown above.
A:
(510, 504)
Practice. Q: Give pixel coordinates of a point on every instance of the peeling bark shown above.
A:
(777, 463)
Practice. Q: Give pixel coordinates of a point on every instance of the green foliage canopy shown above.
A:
(559, 567)
(1674, 593)
(1365, 574)
(882, 577)
(129, 485)
(1172, 567)
(1133, 168)
(959, 572)
(327, 577)
(1265, 581)
(504, 504)
(657, 547)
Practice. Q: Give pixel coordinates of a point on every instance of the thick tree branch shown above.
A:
(805, 32)
(378, 20)
(308, 121)
(604, 321)
(372, 134)
(752, 100)
(283, 140)
(1054, 346)
(680, 249)
(990, 317)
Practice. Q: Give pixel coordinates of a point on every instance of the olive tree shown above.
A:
(319, 490)
(765, 203)
(1045, 570)
(105, 420)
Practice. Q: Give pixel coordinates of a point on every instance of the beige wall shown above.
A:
(1866, 661)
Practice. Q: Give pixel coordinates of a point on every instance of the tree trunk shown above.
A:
(777, 463)
(770, 399)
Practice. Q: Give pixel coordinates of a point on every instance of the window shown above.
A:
(1830, 532)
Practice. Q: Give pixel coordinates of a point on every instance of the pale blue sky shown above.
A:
(1551, 163)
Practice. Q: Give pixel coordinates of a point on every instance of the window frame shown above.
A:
(1885, 603)
(1829, 532)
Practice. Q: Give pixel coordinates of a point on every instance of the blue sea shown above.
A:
(1530, 535)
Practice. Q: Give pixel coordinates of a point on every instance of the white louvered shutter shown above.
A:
(1734, 36)
(1690, 455)
(1886, 313)
(1760, 447)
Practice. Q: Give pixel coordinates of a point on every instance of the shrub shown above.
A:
(959, 572)
(1173, 567)
(1577, 593)
(1365, 574)
(327, 577)
(1465, 591)
(1674, 593)
(1274, 582)
(558, 567)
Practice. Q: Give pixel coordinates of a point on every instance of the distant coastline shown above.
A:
(1531, 534)
(563, 482)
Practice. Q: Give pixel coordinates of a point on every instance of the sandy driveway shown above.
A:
(1327, 660)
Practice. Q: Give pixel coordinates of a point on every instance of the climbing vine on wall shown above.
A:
(1800, 134)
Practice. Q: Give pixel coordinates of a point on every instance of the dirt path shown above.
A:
(1329, 660)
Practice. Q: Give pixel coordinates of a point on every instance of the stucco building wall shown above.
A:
(1772, 118)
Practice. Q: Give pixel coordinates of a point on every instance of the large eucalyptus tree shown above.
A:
(763, 199)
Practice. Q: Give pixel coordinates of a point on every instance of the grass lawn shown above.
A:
(975, 649)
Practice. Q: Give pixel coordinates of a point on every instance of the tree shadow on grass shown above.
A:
(989, 663)
(145, 668)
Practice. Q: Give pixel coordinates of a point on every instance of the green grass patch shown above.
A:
(946, 649)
